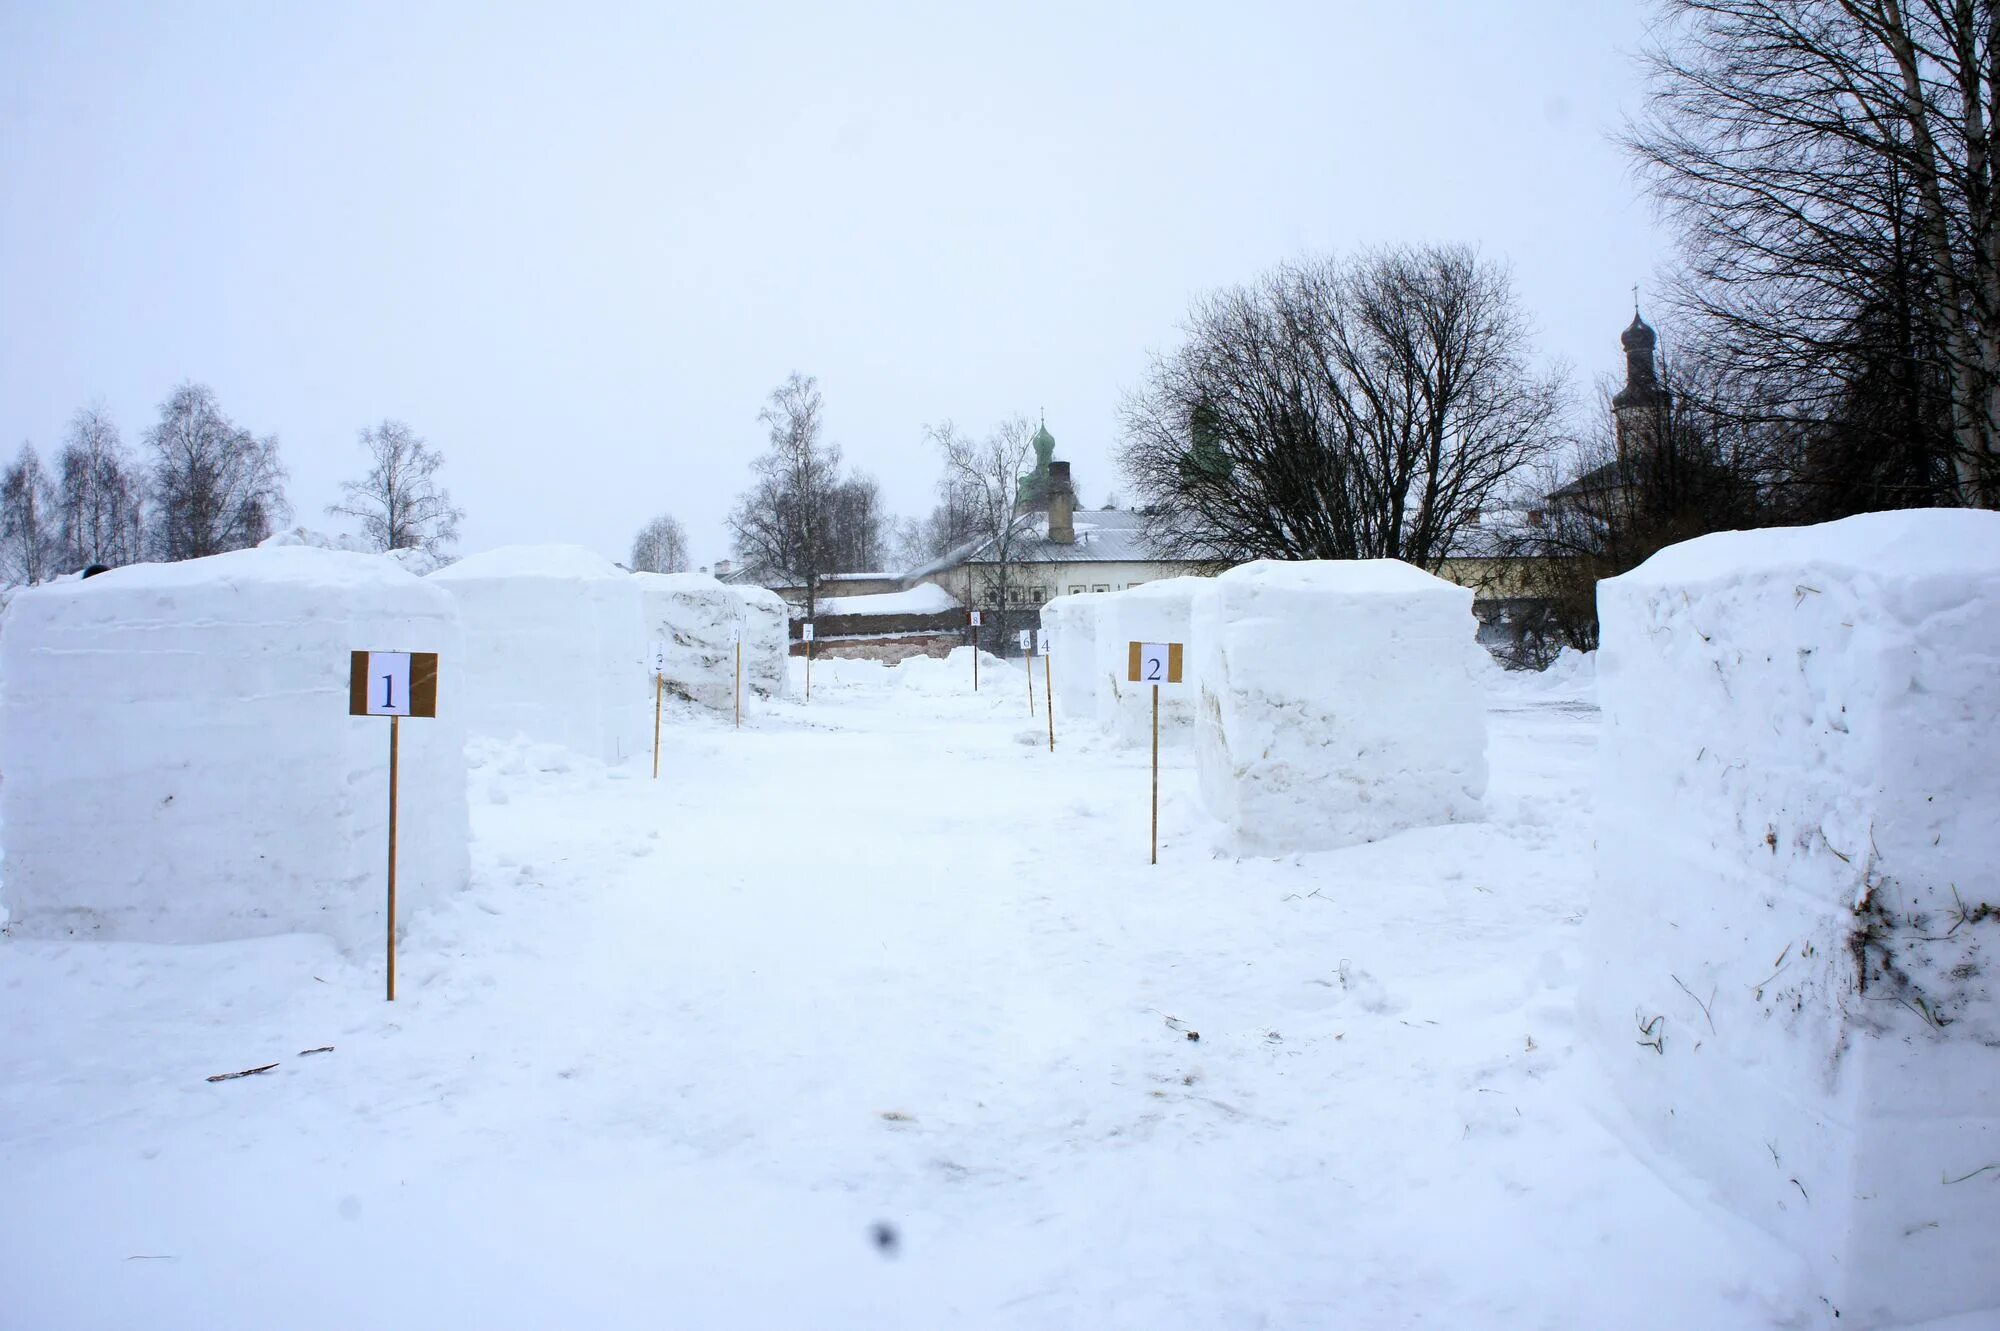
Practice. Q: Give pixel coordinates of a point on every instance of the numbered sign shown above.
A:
(1027, 640)
(392, 684)
(807, 630)
(1041, 642)
(659, 657)
(735, 634)
(975, 619)
(1153, 663)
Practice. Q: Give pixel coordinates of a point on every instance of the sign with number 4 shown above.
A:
(1041, 642)
(1153, 663)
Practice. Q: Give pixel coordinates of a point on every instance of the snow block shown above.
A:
(1791, 957)
(1154, 612)
(1071, 625)
(767, 640)
(181, 766)
(697, 619)
(554, 649)
(1340, 702)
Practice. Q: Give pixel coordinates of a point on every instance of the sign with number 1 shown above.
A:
(392, 684)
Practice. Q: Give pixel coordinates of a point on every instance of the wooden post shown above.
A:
(1049, 699)
(1028, 663)
(1156, 774)
(809, 670)
(739, 681)
(659, 688)
(975, 658)
(395, 734)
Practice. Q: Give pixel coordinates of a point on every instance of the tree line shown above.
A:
(200, 485)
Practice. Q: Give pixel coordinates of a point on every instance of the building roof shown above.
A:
(1110, 536)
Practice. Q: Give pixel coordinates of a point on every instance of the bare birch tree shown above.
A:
(779, 526)
(660, 547)
(1831, 165)
(984, 477)
(399, 503)
(28, 540)
(99, 495)
(216, 486)
(1353, 409)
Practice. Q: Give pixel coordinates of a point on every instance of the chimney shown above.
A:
(722, 567)
(1062, 505)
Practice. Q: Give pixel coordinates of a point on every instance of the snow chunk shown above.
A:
(697, 619)
(925, 598)
(1788, 972)
(554, 650)
(1071, 625)
(1340, 703)
(767, 639)
(181, 766)
(1153, 612)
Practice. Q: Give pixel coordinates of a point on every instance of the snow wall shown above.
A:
(697, 620)
(767, 639)
(553, 649)
(1792, 966)
(1340, 702)
(1153, 612)
(179, 761)
(1071, 625)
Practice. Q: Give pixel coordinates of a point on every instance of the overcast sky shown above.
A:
(575, 245)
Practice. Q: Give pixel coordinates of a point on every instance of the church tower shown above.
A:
(1640, 407)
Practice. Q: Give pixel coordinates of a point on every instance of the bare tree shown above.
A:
(1831, 166)
(984, 476)
(660, 547)
(854, 526)
(780, 525)
(28, 546)
(216, 486)
(399, 503)
(98, 495)
(1340, 410)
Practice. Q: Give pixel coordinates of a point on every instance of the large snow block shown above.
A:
(554, 649)
(1154, 612)
(1340, 702)
(767, 640)
(181, 766)
(696, 620)
(1792, 963)
(1071, 625)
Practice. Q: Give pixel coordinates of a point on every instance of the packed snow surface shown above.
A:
(1154, 612)
(1340, 701)
(1792, 949)
(766, 639)
(554, 650)
(1071, 625)
(179, 761)
(695, 622)
(925, 598)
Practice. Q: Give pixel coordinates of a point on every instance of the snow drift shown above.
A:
(1339, 702)
(1154, 612)
(1071, 625)
(1791, 953)
(553, 649)
(697, 620)
(180, 762)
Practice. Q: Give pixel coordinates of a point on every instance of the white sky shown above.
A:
(574, 245)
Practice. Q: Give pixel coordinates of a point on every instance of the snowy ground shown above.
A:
(880, 959)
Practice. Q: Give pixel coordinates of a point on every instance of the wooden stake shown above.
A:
(1030, 663)
(1049, 693)
(809, 670)
(739, 681)
(1156, 774)
(975, 658)
(659, 688)
(395, 734)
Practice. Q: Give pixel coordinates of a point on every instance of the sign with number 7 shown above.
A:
(1153, 663)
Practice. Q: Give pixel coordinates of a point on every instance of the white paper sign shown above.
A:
(1041, 642)
(388, 683)
(808, 629)
(735, 635)
(975, 619)
(1153, 663)
(660, 656)
(1027, 640)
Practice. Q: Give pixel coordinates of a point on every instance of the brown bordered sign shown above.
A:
(1153, 663)
(392, 684)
